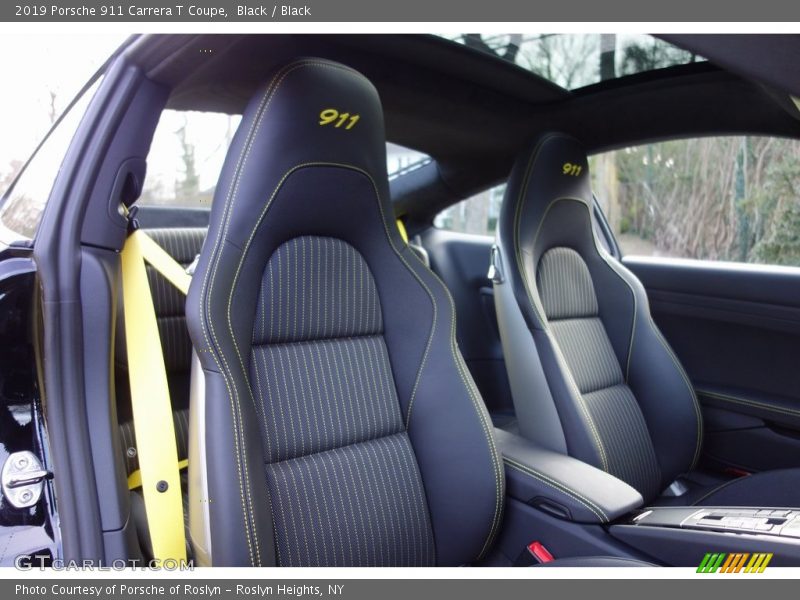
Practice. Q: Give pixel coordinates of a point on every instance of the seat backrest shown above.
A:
(341, 425)
(591, 375)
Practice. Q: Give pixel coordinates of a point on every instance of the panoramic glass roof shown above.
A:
(577, 60)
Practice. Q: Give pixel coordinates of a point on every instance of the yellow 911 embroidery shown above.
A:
(571, 169)
(331, 116)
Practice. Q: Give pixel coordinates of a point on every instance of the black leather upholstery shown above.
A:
(573, 489)
(777, 488)
(547, 208)
(591, 374)
(288, 178)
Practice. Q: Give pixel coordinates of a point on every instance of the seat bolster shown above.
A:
(241, 519)
(453, 439)
(582, 443)
(536, 180)
(537, 415)
(514, 272)
(663, 389)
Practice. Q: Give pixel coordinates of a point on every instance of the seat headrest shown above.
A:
(316, 110)
(554, 166)
(311, 111)
(547, 204)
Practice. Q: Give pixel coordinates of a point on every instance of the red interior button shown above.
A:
(540, 553)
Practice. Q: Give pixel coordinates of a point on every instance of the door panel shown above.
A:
(736, 329)
(462, 261)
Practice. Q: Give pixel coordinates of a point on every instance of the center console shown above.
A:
(683, 535)
(575, 509)
(779, 522)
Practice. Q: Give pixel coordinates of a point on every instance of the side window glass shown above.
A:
(189, 149)
(477, 214)
(186, 157)
(23, 202)
(716, 198)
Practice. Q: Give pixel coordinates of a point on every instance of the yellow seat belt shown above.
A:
(159, 469)
(403, 233)
(135, 478)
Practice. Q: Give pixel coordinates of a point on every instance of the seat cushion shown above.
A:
(584, 350)
(343, 481)
(778, 488)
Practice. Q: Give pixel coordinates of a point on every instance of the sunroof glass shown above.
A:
(577, 60)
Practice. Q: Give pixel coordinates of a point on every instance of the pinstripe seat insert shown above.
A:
(344, 485)
(316, 288)
(570, 304)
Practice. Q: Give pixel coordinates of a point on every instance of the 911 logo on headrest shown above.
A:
(331, 116)
(571, 169)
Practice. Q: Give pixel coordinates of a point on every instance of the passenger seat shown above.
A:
(591, 375)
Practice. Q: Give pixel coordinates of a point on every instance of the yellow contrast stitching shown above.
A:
(714, 491)
(614, 266)
(209, 278)
(532, 297)
(753, 403)
(518, 223)
(460, 367)
(690, 387)
(570, 379)
(557, 485)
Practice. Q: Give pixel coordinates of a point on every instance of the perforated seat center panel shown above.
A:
(344, 483)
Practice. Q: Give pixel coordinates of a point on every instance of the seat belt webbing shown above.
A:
(152, 410)
(402, 227)
(135, 478)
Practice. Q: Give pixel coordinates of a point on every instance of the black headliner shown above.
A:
(470, 111)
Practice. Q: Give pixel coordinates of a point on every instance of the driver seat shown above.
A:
(334, 421)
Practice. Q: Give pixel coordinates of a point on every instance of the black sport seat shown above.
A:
(591, 375)
(341, 425)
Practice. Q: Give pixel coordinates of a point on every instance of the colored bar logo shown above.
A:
(737, 562)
